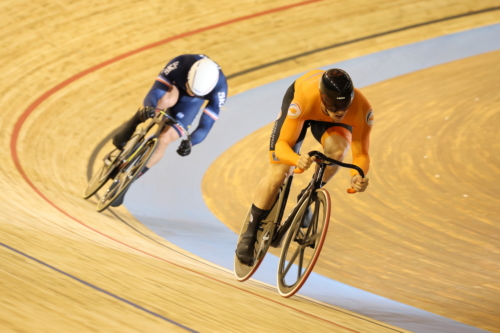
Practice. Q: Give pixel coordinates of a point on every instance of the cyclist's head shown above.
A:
(203, 77)
(336, 90)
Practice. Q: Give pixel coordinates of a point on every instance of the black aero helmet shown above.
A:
(336, 90)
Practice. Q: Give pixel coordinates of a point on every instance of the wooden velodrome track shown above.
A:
(69, 79)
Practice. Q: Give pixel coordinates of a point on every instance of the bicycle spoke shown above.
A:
(291, 261)
(301, 261)
(314, 220)
(108, 193)
(310, 240)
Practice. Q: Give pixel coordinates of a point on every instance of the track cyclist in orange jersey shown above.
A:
(339, 116)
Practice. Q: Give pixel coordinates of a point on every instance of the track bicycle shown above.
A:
(123, 167)
(302, 233)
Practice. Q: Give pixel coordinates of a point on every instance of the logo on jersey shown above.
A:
(170, 67)
(222, 98)
(369, 118)
(294, 111)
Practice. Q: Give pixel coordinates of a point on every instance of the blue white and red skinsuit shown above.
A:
(187, 107)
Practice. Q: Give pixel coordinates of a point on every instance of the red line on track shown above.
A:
(20, 122)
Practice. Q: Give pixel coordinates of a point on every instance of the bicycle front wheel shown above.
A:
(127, 173)
(303, 243)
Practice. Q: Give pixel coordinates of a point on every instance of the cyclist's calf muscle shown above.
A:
(168, 136)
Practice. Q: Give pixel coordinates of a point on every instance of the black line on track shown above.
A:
(137, 306)
(352, 41)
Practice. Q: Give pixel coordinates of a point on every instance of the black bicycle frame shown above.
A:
(322, 162)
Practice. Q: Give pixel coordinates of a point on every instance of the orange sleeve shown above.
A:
(361, 138)
(290, 131)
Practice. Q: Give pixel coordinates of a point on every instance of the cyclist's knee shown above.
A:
(167, 137)
(336, 147)
(278, 173)
(337, 154)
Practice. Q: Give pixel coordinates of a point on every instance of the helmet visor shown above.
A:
(340, 103)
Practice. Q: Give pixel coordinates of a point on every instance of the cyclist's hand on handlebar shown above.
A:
(184, 148)
(305, 161)
(358, 184)
(147, 112)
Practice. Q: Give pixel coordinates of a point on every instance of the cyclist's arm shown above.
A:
(289, 134)
(361, 142)
(211, 113)
(207, 120)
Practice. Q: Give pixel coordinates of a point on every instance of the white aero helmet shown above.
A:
(203, 76)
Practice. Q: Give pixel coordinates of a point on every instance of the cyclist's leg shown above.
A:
(268, 187)
(154, 97)
(126, 130)
(184, 112)
(168, 136)
(265, 196)
(336, 141)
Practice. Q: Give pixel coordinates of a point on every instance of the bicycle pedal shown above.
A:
(107, 160)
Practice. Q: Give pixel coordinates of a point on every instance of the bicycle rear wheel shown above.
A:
(127, 173)
(302, 245)
(264, 237)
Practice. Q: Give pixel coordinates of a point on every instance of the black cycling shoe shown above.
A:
(245, 250)
(122, 137)
(125, 131)
(119, 201)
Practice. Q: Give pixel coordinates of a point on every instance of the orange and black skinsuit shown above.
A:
(301, 109)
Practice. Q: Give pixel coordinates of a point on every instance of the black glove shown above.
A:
(185, 148)
(146, 112)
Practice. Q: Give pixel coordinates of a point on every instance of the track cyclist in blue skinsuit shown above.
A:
(182, 87)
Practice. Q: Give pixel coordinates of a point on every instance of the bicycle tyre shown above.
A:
(299, 240)
(101, 176)
(128, 173)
